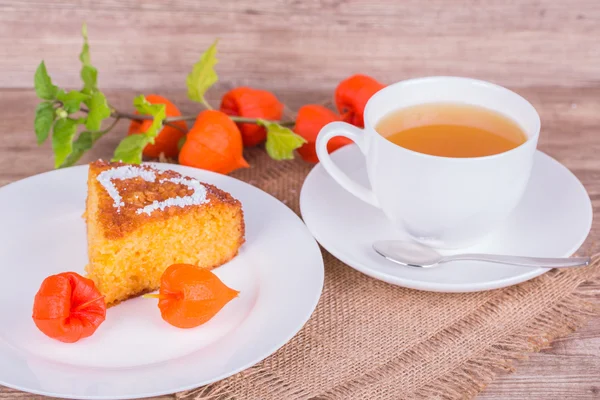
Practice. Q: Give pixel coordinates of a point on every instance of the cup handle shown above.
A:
(355, 134)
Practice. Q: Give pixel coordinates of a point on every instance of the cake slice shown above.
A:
(141, 220)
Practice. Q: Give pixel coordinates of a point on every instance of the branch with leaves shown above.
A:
(74, 119)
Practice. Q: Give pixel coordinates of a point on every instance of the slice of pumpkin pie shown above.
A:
(140, 220)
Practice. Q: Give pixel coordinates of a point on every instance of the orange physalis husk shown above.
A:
(68, 307)
(214, 143)
(352, 95)
(190, 295)
(168, 137)
(252, 103)
(310, 120)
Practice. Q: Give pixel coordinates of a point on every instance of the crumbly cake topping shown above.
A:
(125, 172)
(129, 196)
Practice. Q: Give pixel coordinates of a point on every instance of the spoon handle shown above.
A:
(523, 261)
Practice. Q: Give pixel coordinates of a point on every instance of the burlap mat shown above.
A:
(371, 340)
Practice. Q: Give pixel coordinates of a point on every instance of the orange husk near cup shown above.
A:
(351, 97)
(310, 120)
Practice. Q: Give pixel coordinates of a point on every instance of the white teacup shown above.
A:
(442, 202)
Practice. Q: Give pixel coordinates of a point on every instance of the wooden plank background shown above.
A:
(545, 50)
(304, 43)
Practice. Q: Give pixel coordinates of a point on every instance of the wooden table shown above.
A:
(570, 369)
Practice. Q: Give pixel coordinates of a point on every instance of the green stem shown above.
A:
(172, 125)
(178, 118)
(132, 116)
(245, 120)
(105, 131)
(234, 118)
(136, 117)
(206, 104)
(169, 121)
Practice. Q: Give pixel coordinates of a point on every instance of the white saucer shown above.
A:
(553, 220)
(134, 353)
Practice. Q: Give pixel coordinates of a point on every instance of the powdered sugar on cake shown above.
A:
(106, 178)
(121, 173)
(196, 198)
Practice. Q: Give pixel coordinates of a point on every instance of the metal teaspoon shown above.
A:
(418, 255)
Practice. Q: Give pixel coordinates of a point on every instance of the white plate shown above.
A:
(553, 220)
(134, 353)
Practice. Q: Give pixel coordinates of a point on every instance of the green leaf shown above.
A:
(89, 74)
(43, 84)
(98, 111)
(130, 149)
(143, 106)
(158, 111)
(203, 75)
(83, 143)
(84, 56)
(72, 100)
(281, 141)
(62, 139)
(44, 118)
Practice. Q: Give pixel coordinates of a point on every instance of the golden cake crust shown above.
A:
(137, 193)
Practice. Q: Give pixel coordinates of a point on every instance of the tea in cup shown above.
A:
(448, 158)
